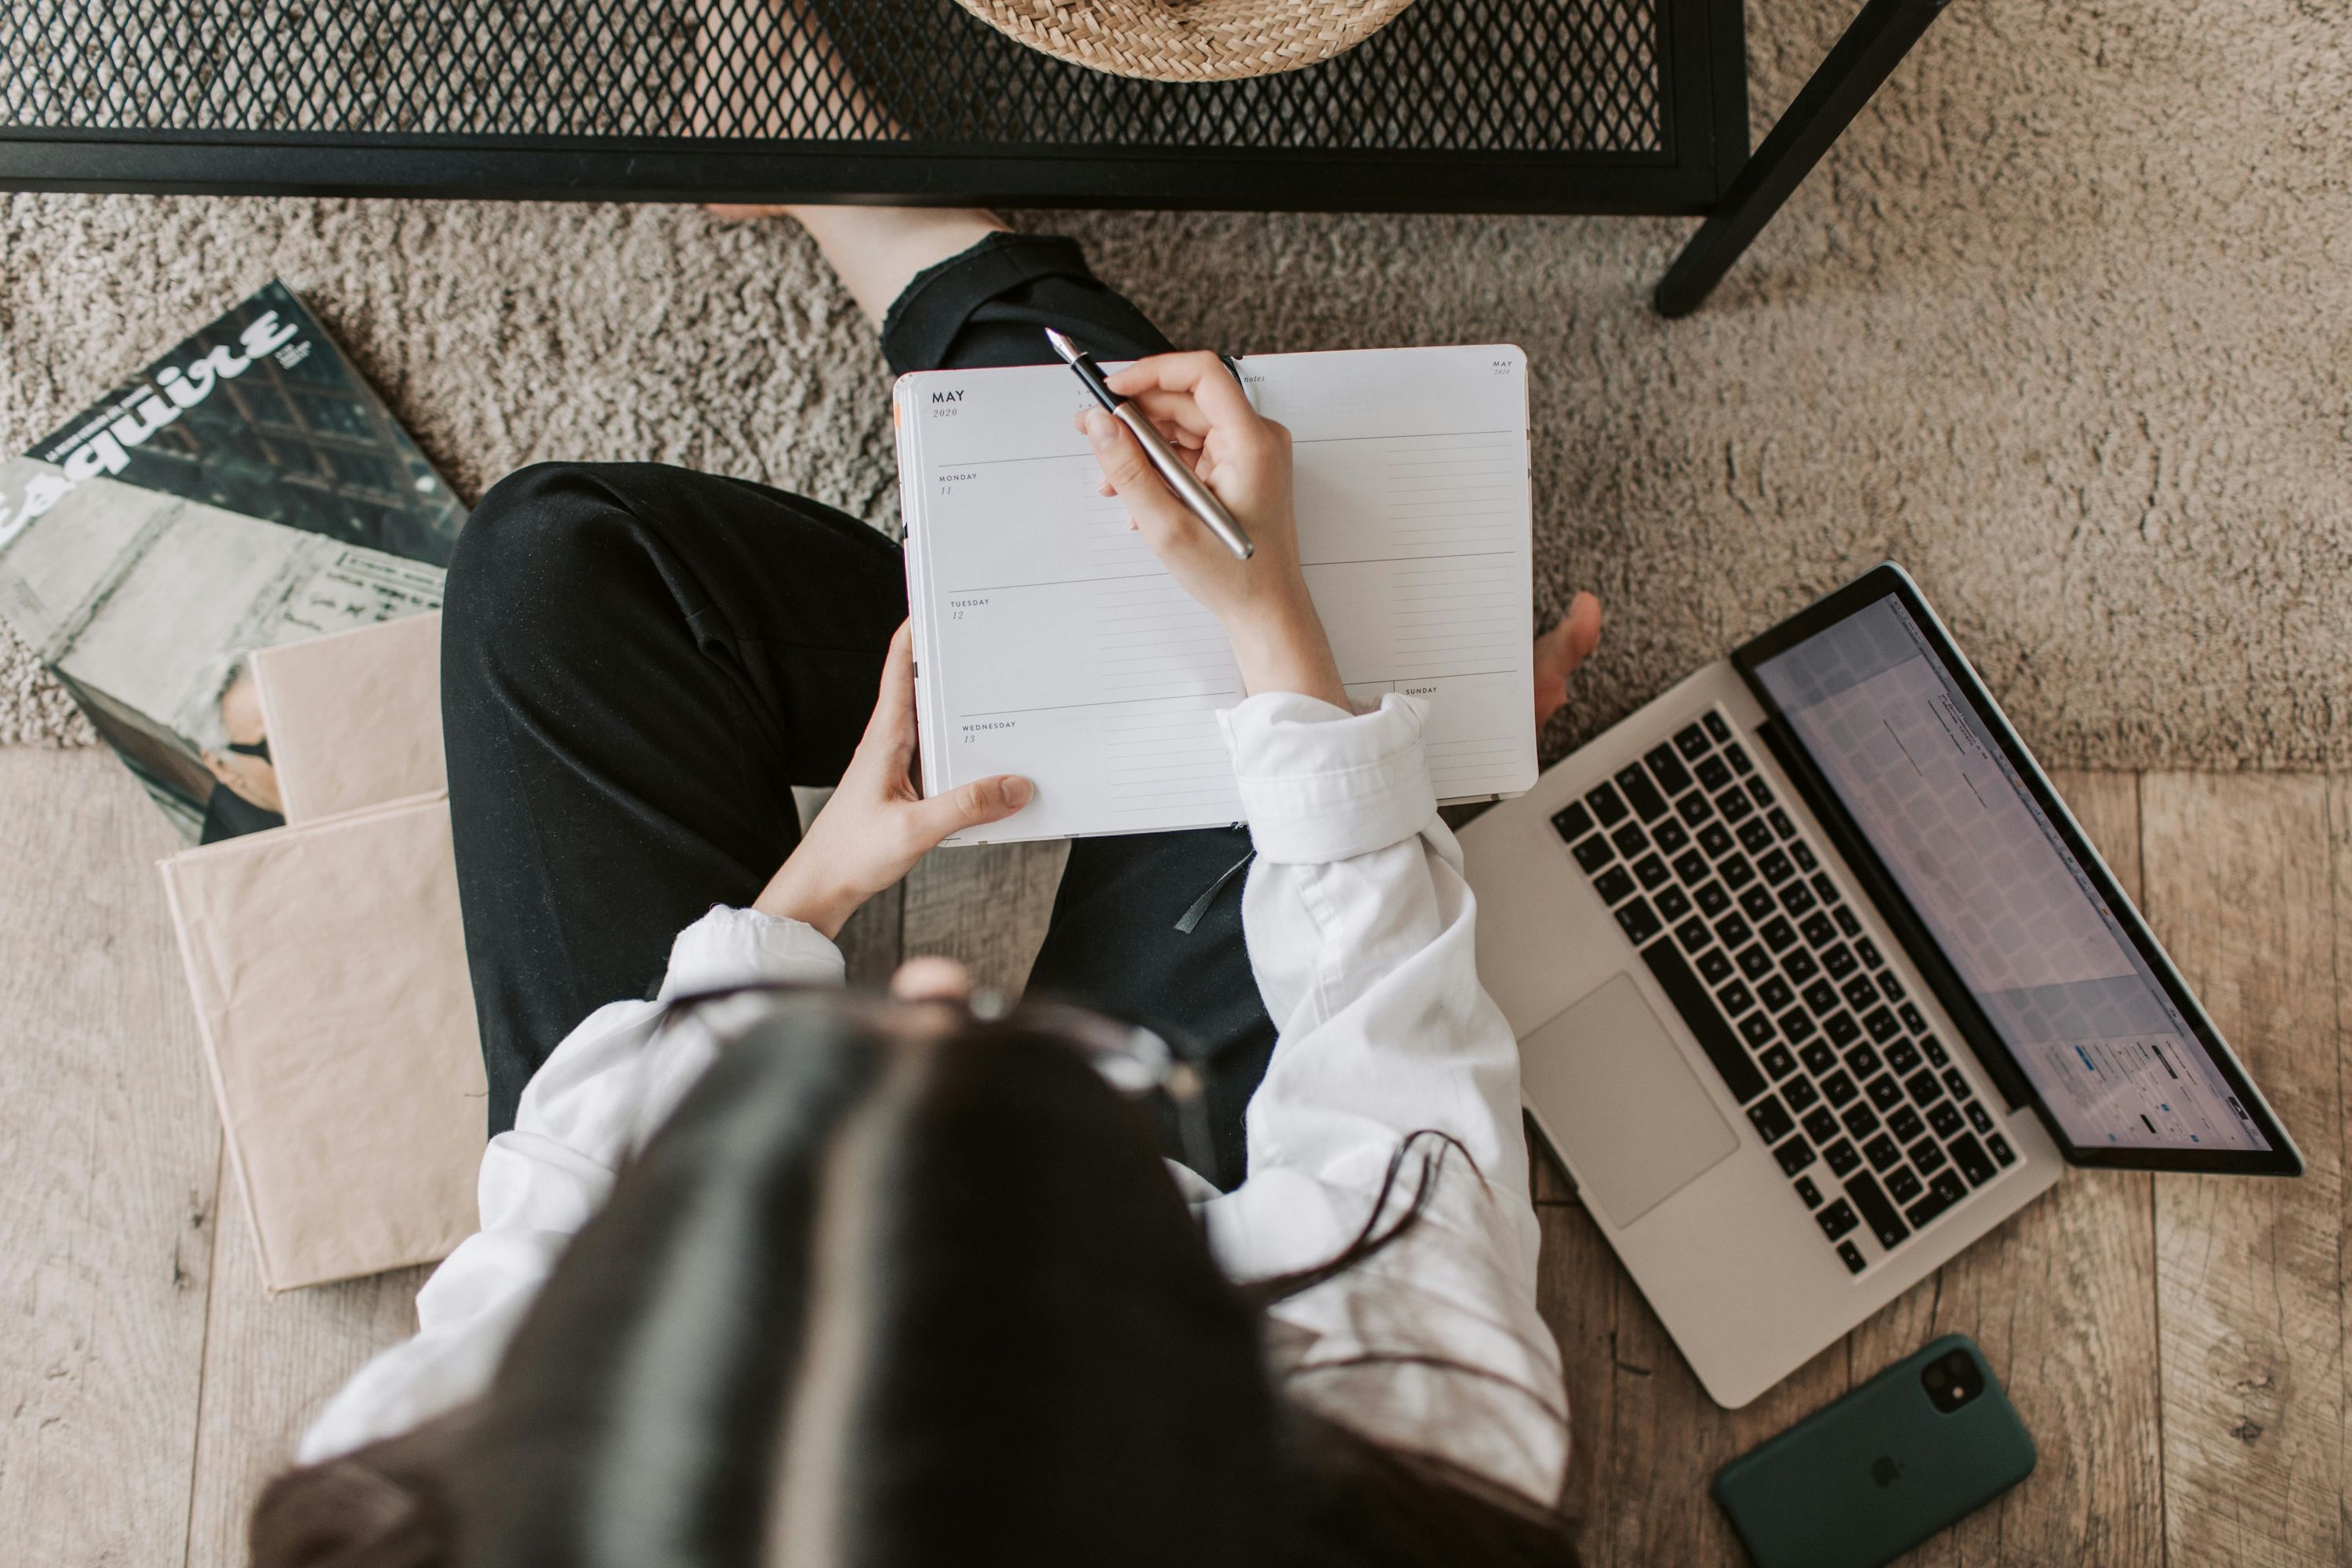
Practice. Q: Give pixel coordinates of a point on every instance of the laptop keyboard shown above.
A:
(1757, 945)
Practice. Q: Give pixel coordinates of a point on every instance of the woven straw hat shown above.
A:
(1189, 40)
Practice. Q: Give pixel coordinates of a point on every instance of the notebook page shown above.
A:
(1050, 641)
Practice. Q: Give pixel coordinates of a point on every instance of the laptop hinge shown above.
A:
(1882, 891)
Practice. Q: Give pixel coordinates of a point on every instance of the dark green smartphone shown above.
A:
(1858, 1483)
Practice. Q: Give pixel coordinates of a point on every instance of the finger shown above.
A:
(969, 805)
(1559, 652)
(891, 727)
(1200, 373)
(931, 978)
(1132, 477)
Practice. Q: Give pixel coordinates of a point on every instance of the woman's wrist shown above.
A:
(796, 893)
(1281, 646)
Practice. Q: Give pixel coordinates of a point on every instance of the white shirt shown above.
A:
(1360, 931)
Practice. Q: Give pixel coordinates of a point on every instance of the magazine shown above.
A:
(249, 488)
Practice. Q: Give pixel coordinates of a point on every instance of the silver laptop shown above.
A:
(1816, 981)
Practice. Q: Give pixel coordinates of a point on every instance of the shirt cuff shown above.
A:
(737, 947)
(1319, 783)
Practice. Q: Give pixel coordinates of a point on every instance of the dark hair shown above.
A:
(894, 1294)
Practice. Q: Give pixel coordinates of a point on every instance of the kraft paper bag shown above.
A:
(329, 970)
(354, 718)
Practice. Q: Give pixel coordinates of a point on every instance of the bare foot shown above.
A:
(1560, 651)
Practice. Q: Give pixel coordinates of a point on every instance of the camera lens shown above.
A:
(1936, 1379)
(1952, 1381)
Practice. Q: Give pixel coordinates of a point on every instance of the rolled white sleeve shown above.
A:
(1361, 931)
(612, 1080)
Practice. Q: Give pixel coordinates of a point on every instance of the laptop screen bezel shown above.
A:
(1890, 581)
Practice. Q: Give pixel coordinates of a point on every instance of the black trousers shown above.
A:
(639, 662)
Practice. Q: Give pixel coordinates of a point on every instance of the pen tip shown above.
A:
(1061, 345)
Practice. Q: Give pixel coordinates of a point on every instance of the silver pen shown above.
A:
(1198, 498)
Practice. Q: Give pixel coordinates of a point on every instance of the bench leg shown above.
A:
(1863, 56)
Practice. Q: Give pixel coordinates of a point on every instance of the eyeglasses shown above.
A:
(1136, 1060)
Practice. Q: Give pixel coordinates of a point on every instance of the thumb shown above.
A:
(1129, 473)
(968, 805)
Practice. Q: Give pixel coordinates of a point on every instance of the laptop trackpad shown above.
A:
(1636, 1126)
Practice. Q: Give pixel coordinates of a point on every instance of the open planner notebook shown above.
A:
(1050, 642)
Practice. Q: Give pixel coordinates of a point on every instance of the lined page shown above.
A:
(1050, 641)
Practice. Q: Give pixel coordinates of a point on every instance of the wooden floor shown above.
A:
(2176, 1345)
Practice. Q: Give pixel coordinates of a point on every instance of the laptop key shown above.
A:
(1904, 1124)
(1823, 889)
(1956, 1084)
(1667, 769)
(1891, 987)
(1716, 725)
(1754, 962)
(1787, 829)
(1715, 964)
(1867, 951)
(1973, 1162)
(1733, 805)
(1733, 930)
(1818, 1060)
(1837, 1220)
(1927, 1156)
(1822, 999)
(1818, 1124)
(1847, 920)
(1714, 774)
(1630, 839)
(1796, 898)
(1881, 1152)
(1922, 1088)
(1799, 1093)
(1716, 839)
(1615, 885)
(1758, 904)
(1927, 1043)
(1691, 742)
(1693, 934)
(1771, 1119)
(1640, 792)
(1810, 1193)
(1946, 1119)
(1651, 870)
(1756, 837)
(1739, 755)
(1694, 809)
(1757, 791)
(1860, 993)
(1840, 1156)
(1778, 1061)
(1903, 1184)
(1902, 1056)
(1573, 822)
(1794, 1155)
(1929, 1206)
(1797, 1024)
(1670, 835)
(1776, 933)
(1799, 966)
(1818, 931)
(1860, 1120)
(1878, 1021)
(1673, 903)
(1851, 1255)
(1639, 921)
(1691, 867)
(1736, 872)
(1757, 1031)
(1605, 804)
(1949, 1184)
(2001, 1149)
(1801, 851)
(1840, 1025)
(1839, 960)
(1774, 994)
(1712, 900)
(1978, 1117)
(1774, 866)
(1884, 1091)
(1884, 1222)
(1861, 1061)
(1715, 1037)
(1913, 1019)
(1837, 1088)
(1593, 854)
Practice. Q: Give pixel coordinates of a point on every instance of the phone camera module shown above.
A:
(1952, 1380)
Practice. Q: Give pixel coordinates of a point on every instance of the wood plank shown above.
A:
(2251, 1273)
(269, 1362)
(2060, 1299)
(1576, 1291)
(872, 942)
(986, 905)
(109, 1163)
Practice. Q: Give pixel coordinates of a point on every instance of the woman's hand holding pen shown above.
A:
(1261, 603)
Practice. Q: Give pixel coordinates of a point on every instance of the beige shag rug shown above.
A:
(2064, 324)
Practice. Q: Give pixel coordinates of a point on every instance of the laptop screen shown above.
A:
(2024, 927)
